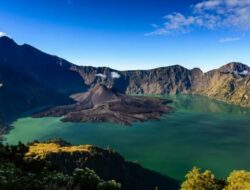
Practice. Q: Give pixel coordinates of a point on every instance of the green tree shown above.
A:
(195, 180)
(238, 180)
(109, 185)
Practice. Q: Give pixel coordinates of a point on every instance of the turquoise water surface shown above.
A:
(199, 132)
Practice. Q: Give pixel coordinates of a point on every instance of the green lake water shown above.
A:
(199, 132)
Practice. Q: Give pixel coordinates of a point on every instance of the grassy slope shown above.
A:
(234, 90)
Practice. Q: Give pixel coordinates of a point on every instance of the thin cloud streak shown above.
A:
(229, 39)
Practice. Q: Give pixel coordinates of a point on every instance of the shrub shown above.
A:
(86, 178)
(238, 180)
(195, 180)
(109, 185)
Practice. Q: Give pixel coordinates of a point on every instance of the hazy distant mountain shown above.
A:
(30, 79)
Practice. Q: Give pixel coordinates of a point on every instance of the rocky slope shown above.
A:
(230, 83)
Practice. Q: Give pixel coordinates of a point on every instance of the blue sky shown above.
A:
(133, 34)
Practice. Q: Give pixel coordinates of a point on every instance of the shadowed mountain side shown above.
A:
(51, 71)
(20, 93)
(105, 104)
(31, 79)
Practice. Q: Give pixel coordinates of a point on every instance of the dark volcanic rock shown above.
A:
(106, 104)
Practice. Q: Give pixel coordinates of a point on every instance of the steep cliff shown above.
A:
(229, 83)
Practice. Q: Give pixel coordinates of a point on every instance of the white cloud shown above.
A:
(207, 5)
(3, 34)
(1, 85)
(230, 13)
(209, 14)
(243, 73)
(229, 39)
(174, 22)
(115, 75)
(101, 75)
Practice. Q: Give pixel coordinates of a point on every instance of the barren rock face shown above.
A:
(102, 104)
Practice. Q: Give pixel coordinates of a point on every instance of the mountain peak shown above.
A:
(100, 87)
(234, 67)
(6, 40)
(101, 93)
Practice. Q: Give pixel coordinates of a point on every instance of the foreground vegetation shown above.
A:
(56, 164)
(17, 171)
(197, 180)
